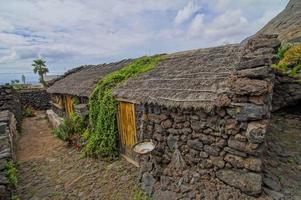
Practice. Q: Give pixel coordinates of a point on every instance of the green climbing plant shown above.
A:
(101, 137)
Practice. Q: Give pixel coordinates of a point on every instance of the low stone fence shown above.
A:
(10, 100)
(37, 99)
(8, 138)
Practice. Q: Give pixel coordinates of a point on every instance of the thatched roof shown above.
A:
(81, 81)
(287, 24)
(186, 79)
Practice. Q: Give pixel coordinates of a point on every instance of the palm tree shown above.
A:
(39, 66)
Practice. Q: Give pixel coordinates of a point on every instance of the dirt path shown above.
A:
(51, 170)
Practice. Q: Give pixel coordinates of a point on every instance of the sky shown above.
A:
(70, 33)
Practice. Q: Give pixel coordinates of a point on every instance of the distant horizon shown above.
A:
(31, 78)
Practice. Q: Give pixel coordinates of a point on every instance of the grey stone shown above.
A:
(258, 72)
(158, 128)
(2, 128)
(177, 161)
(147, 183)
(172, 141)
(195, 144)
(247, 182)
(203, 154)
(273, 194)
(217, 161)
(173, 131)
(238, 145)
(81, 109)
(272, 184)
(166, 124)
(206, 139)
(5, 155)
(164, 195)
(256, 62)
(211, 150)
(156, 118)
(256, 132)
(197, 125)
(247, 111)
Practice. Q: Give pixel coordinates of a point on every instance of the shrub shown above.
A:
(28, 112)
(139, 195)
(75, 101)
(102, 138)
(292, 56)
(11, 173)
(290, 60)
(282, 50)
(70, 126)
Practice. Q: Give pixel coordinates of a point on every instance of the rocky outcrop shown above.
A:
(287, 92)
(287, 24)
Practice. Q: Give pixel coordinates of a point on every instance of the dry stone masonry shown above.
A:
(37, 99)
(224, 143)
(8, 137)
(10, 100)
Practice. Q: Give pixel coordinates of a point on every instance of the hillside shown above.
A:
(287, 24)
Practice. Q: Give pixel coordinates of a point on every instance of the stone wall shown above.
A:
(226, 143)
(287, 92)
(37, 99)
(8, 138)
(10, 100)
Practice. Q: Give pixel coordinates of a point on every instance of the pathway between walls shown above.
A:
(51, 170)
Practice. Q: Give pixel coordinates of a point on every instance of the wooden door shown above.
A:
(127, 130)
(68, 105)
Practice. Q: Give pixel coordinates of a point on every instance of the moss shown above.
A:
(102, 135)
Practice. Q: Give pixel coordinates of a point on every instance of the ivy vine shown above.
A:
(101, 137)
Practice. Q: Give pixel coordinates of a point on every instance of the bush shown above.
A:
(282, 50)
(290, 60)
(28, 112)
(69, 127)
(139, 195)
(102, 135)
(11, 173)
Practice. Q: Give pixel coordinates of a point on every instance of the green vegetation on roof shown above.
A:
(289, 60)
(102, 134)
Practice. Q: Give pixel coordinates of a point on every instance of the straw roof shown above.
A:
(81, 81)
(185, 79)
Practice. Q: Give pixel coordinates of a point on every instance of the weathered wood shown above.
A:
(127, 128)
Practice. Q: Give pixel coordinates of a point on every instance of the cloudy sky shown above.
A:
(69, 33)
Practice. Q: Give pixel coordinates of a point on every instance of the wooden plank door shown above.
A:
(127, 130)
(68, 105)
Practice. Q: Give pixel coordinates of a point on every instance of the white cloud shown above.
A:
(72, 32)
(11, 39)
(186, 13)
(197, 27)
(228, 25)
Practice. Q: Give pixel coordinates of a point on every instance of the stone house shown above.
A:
(207, 110)
(70, 92)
